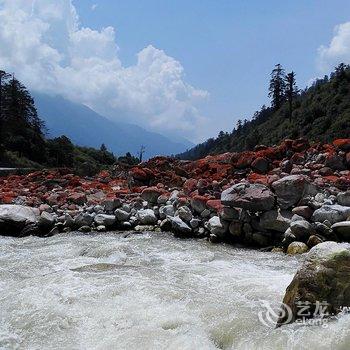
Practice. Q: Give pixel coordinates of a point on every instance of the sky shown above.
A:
(189, 68)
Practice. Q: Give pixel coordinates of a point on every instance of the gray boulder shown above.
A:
(301, 229)
(104, 220)
(342, 229)
(46, 221)
(179, 226)
(333, 213)
(13, 218)
(121, 215)
(83, 219)
(323, 277)
(216, 227)
(185, 213)
(276, 220)
(229, 213)
(166, 210)
(343, 198)
(290, 189)
(252, 197)
(146, 217)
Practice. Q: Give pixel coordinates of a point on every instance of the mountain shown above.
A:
(88, 128)
(320, 113)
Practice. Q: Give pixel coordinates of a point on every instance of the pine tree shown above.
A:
(291, 91)
(4, 77)
(277, 86)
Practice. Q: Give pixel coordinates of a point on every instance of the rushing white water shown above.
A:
(147, 291)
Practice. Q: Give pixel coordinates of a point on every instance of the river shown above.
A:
(149, 291)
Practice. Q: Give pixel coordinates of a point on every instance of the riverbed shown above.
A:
(149, 291)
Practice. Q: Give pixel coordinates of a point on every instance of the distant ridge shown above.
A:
(88, 128)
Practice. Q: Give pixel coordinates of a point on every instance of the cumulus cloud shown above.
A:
(44, 43)
(337, 51)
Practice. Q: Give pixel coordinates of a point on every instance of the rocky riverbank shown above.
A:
(288, 197)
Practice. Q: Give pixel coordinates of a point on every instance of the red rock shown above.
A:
(199, 203)
(347, 159)
(260, 165)
(300, 145)
(298, 158)
(214, 204)
(77, 198)
(343, 144)
(257, 178)
(151, 194)
(190, 185)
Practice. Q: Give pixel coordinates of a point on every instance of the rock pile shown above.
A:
(291, 197)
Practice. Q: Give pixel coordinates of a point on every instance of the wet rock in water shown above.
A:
(179, 226)
(290, 189)
(121, 215)
(252, 197)
(85, 229)
(288, 238)
(342, 230)
(235, 228)
(217, 227)
(83, 219)
(46, 221)
(297, 248)
(165, 225)
(105, 220)
(323, 277)
(276, 220)
(314, 240)
(144, 228)
(146, 217)
(194, 223)
(332, 213)
(260, 239)
(14, 218)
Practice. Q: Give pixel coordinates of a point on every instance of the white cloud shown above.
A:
(44, 43)
(94, 7)
(337, 51)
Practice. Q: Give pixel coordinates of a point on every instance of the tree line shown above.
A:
(23, 142)
(319, 112)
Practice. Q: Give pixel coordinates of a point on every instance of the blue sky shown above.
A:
(189, 67)
(226, 47)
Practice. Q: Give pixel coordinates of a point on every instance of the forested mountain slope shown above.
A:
(318, 113)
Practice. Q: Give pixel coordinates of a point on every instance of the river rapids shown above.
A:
(149, 291)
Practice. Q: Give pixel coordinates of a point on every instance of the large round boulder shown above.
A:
(252, 197)
(290, 189)
(14, 218)
(332, 213)
(324, 277)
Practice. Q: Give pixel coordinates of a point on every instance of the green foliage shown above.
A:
(128, 159)
(22, 141)
(319, 113)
